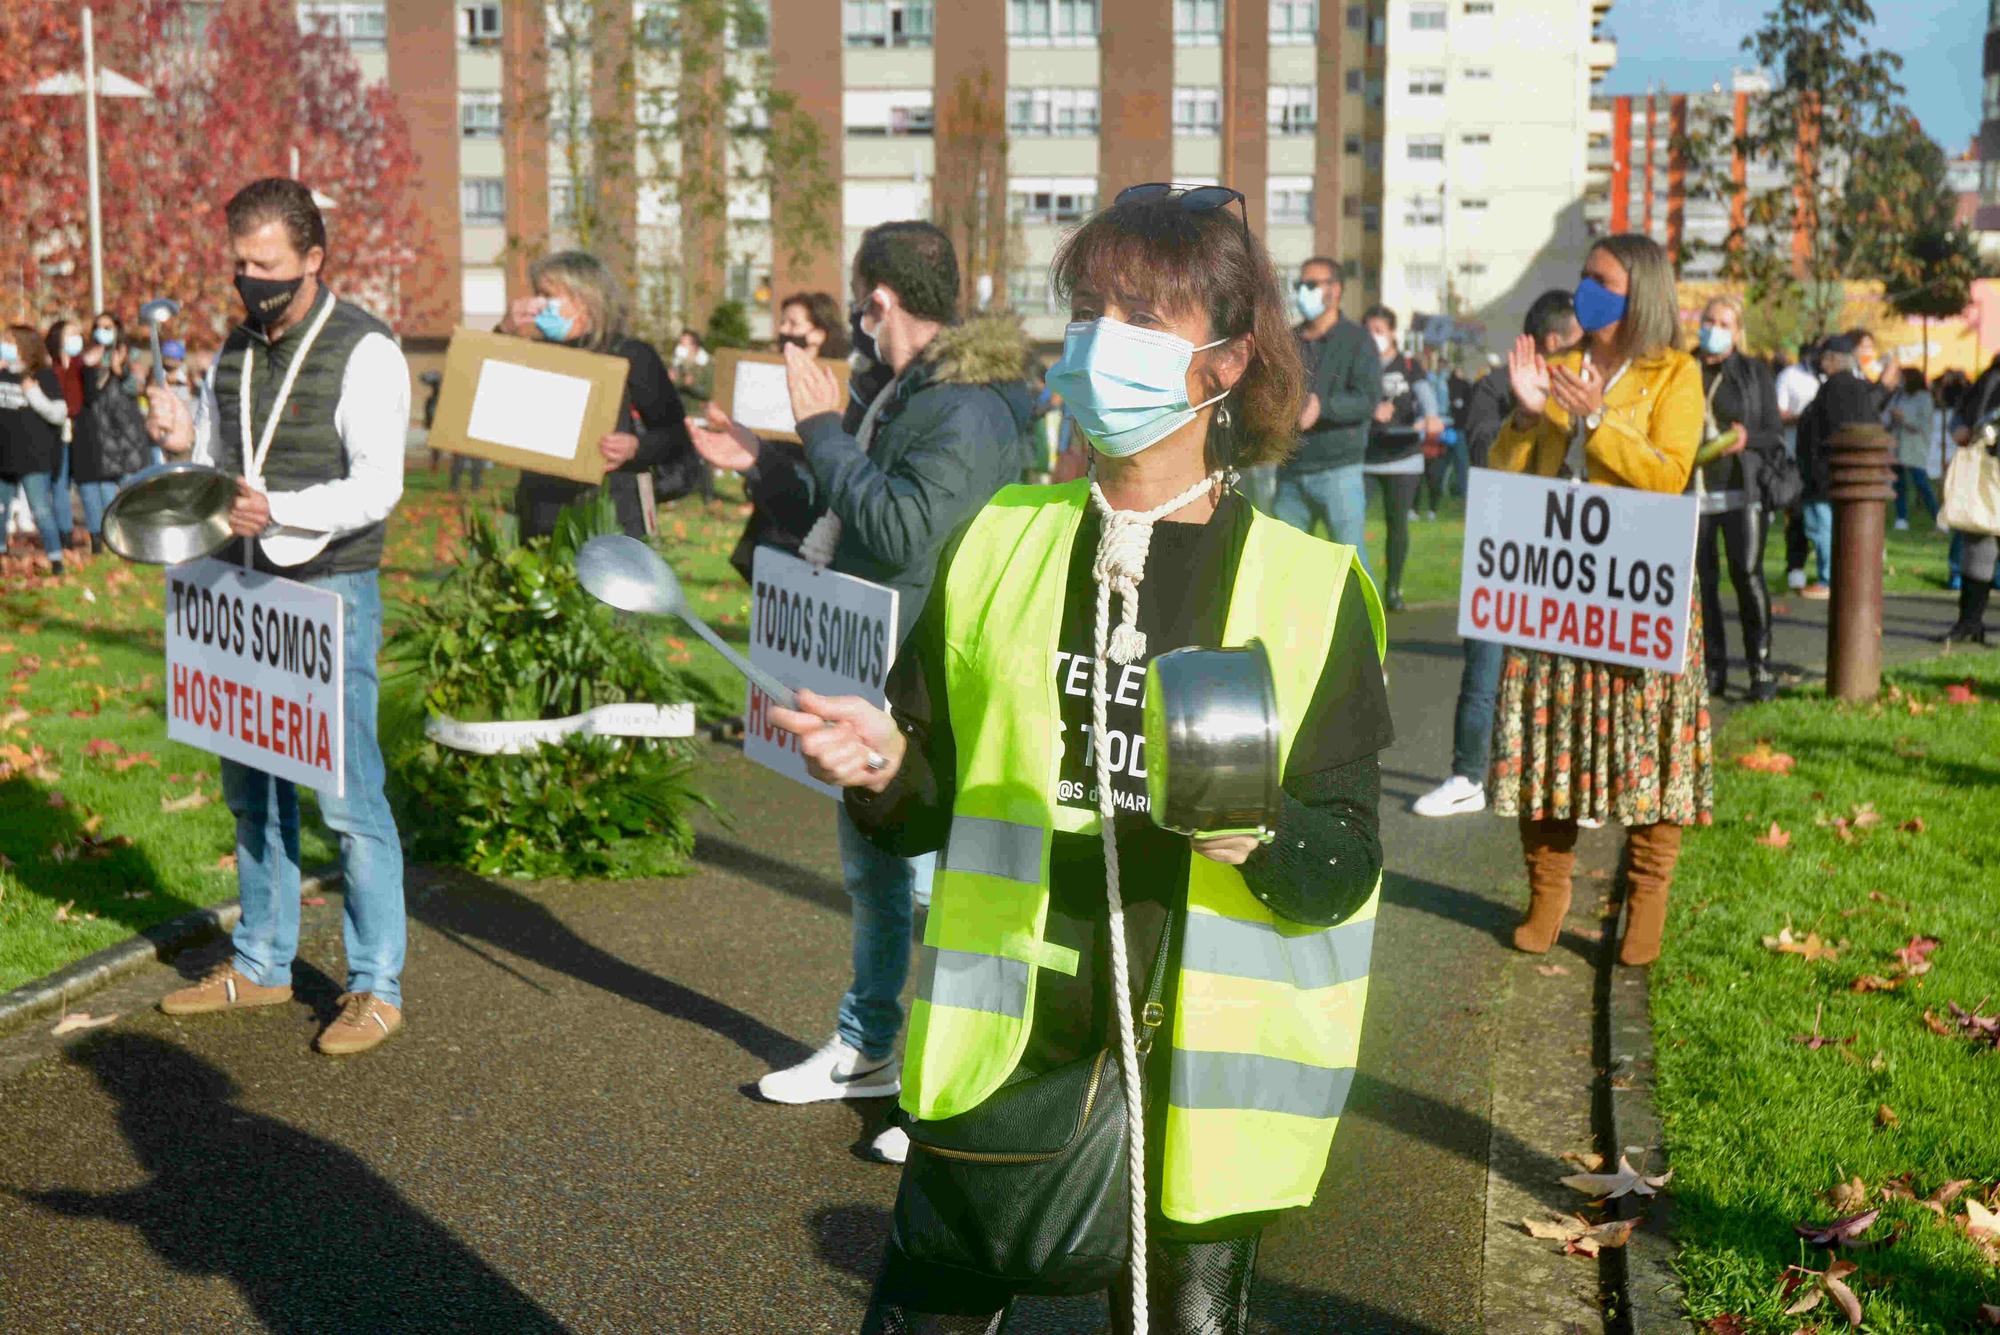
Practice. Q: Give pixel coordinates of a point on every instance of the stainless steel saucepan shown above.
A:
(170, 513)
(1212, 742)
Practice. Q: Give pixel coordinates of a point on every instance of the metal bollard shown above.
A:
(1864, 475)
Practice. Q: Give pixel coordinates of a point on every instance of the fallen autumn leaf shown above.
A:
(76, 1020)
(1627, 1180)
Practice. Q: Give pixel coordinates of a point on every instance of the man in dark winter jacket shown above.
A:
(1343, 388)
(918, 444)
(1845, 399)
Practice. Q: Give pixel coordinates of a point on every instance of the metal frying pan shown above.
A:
(1212, 742)
(170, 513)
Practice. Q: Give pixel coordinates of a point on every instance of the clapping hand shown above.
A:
(722, 441)
(814, 387)
(1528, 375)
(1580, 393)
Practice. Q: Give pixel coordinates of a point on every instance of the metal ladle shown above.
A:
(630, 576)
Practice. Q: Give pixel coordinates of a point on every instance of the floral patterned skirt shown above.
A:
(1573, 738)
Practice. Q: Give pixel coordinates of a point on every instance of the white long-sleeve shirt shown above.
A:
(373, 419)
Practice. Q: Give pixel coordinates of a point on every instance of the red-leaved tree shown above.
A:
(234, 98)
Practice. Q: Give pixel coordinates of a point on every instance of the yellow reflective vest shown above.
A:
(1267, 1014)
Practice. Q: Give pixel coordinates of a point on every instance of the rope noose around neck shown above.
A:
(1121, 566)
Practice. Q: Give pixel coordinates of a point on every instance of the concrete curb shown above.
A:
(1653, 1302)
(54, 993)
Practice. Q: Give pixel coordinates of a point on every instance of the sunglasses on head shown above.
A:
(1191, 198)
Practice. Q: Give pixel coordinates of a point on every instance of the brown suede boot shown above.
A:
(1549, 848)
(1650, 854)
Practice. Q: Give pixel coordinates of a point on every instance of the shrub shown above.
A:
(511, 634)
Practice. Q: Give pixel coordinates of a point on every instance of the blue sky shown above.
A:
(1686, 45)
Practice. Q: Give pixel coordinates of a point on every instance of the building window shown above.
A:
(359, 23)
(1472, 267)
(1354, 81)
(479, 114)
(562, 202)
(1427, 16)
(1350, 207)
(1371, 157)
(1197, 112)
(1478, 72)
(1478, 8)
(1289, 199)
(1052, 22)
(1426, 148)
(1294, 22)
(1372, 92)
(750, 26)
(1424, 210)
(1426, 83)
(1371, 217)
(1052, 201)
(1476, 137)
(1472, 203)
(887, 23)
(1357, 17)
(1991, 109)
(1352, 146)
(1291, 108)
(1989, 182)
(1427, 279)
(483, 199)
(894, 112)
(1198, 22)
(1063, 113)
(479, 24)
(1028, 291)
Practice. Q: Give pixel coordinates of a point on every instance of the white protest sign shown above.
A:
(254, 671)
(1605, 573)
(809, 627)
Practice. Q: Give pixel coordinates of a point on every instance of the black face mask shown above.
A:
(793, 341)
(864, 343)
(265, 299)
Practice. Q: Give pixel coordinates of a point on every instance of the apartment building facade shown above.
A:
(1489, 112)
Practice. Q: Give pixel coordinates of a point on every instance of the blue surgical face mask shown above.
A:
(72, 345)
(104, 337)
(1717, 342)
(552, 324)
(1597, 306)
(1125, 386)
(9, 353)
(1312, 300)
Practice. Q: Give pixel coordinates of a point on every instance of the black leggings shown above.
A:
(1192, 1288)
(1742, 532)
(1399, 495)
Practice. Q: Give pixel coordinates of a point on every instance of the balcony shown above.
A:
(1603, 55)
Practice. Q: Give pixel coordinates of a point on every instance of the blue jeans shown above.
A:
(96, 495)
(59, 496)
(886, 890)
(1818, 519)
(1336, 497)
(1478, 689)
(37, 487)
(1918, 478)
(371, 856)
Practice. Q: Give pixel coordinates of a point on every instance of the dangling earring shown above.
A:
(1223, 418)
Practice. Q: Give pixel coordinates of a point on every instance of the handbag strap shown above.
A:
(1153, 1014)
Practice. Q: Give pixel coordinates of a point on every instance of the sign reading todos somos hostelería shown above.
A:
(827, 632)
(1604, 573)
(254, 671)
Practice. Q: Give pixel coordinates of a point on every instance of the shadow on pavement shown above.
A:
(787, 878)
(309, 1234)
(467, 908)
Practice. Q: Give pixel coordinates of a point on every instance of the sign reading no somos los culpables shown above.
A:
(1604, 573)
(254, 671)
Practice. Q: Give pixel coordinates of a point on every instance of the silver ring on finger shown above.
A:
(876, 762)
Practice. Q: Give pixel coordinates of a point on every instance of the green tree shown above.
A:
(1835, 99)
(728, 326)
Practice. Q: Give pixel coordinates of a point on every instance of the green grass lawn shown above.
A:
(1760, 1127)
(106, 827)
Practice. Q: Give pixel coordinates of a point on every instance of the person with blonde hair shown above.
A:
(579, 303)
(1581, 740)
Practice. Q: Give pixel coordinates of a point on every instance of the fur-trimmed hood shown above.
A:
(985, 350)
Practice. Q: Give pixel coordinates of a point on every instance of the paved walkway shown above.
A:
(560, 1140)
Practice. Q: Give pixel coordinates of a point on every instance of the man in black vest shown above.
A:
(318, 467)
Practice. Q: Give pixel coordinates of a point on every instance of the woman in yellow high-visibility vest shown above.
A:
(1016, 747)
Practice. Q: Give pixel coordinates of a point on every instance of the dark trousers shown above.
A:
(1742, 535)
(1478, 688)
(1399, 494)
(1795, 540)
(1437, 474)
(1192, 1288)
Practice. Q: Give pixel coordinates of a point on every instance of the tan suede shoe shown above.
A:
(364, 1020)
(223, 988)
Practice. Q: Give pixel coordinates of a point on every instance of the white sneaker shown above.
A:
(1902, 526)
(1456, 796)
(1589, 823)
(1414, 515)
(1431, 516)
(892, 1146)
(1795, 580)
(836, 1071)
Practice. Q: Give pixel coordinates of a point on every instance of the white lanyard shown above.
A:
(253, 465)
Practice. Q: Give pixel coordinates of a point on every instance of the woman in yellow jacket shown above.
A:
(1574, 739)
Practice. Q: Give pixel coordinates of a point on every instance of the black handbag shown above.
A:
(1779, 482)
(1032, 1187)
